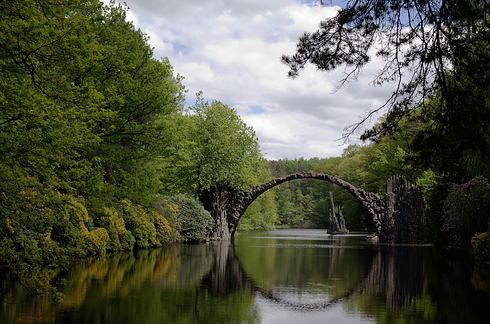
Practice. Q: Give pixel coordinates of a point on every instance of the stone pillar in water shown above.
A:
(336, 221)
(333, 222)
(342, 228)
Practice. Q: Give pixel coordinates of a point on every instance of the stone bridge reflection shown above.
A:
(396, 272)
(229, 282)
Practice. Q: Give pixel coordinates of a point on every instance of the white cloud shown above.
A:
(294, 135)
(306, 18)
(131, 16)
(197, 72)
(231, 51)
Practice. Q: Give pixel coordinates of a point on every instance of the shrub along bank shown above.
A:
(51, 229)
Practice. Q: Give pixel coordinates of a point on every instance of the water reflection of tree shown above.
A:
(419, 285)
(226, 293)
(176, 284)
(226, 275)
(399, 273)
(304, 274)
(465, 300)
(401, 285)
(395, 277)
(395, 288)
(208, 283)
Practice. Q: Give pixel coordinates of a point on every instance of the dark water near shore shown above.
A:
(283, 276)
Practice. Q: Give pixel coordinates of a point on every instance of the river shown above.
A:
(280, 276)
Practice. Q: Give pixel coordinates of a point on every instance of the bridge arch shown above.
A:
(374, 203)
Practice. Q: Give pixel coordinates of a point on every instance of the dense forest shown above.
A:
(99, 153)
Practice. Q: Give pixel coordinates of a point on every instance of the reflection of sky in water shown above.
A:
(324, 240)
(293, 245)
(309, 295)
(272, 313)
(301, 234)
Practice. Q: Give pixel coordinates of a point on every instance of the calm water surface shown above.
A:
(282, 276)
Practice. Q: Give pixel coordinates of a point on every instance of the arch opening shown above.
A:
(373, 202)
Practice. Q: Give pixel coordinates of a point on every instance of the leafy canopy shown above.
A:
(82, 104)
(213, 151)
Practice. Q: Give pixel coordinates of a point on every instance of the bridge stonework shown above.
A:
(400, 216)
(405, 219)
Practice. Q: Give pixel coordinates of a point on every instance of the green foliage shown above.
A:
(82, 100)
(466, 211)
(286, 209)
(169, 211)
(196, 222)
(369, 166)
(96, 241)
(139, 223)
(481, 246)
(139, 91)
(82, 110)
(45, 122)
(456, 140)
(213, 150)
(119, 237)
(229, 148)
(428, 180)
(40, 232)
(302, 202)
(262, 213)
(211, 154)
(162, 228)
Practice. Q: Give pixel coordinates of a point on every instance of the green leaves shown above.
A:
(229, 149)
(212, 149)
(82, 110)
(44, 120)
(196, 223)
(466, 210)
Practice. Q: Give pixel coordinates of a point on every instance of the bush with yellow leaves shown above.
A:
(481, 246)
(120, 238)
(139, 223)
(170, 227)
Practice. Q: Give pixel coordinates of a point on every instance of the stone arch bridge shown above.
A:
(400, 216)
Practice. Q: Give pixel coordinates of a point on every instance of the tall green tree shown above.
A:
(82, 104)
(82, 98)
(46, 121)
(214, 155)
(139, 92)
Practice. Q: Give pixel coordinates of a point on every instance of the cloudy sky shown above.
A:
(231, 49)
